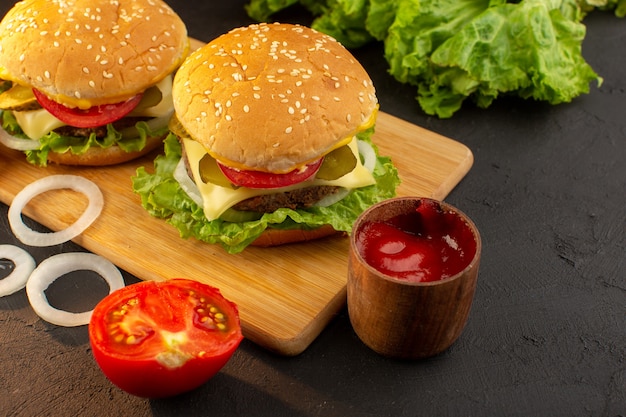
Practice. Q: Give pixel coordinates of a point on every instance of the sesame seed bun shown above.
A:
(272, 97)
(83, 53)
(276, 237)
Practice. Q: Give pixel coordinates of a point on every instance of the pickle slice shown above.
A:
(211, 173)
(151, 97)
(18, 98)
(337, 164)
(176, 127)
(5, 85)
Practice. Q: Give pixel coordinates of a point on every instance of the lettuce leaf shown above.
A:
(162, 197)
(529, 49)
(53, 142)
(344, 20)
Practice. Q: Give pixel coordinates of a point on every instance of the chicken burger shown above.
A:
(271, 141)
(88, 82)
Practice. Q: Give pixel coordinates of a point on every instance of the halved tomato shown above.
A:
(259, 179)
(92, 117)
(159, 339)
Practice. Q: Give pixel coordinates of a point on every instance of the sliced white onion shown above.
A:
(24, 266)
(16, 143)
(55, 182)
(368, 153)
(186, 183)
(153, 124)
(58, 265)
(333, 198)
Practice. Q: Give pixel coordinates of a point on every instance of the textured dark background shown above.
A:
(547, 332)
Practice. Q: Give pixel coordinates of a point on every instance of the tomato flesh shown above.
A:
(92, 117)
(159, 339)
(268, 180)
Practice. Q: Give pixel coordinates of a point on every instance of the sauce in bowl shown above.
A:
(426, 245)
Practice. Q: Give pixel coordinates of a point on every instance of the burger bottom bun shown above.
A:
(276, 237)
(104, 156)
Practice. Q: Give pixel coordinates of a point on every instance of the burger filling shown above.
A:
(23, 117)
(219, 196)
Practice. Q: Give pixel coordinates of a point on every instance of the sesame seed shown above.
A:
(246, 108)
(228, 117)
(289, 130)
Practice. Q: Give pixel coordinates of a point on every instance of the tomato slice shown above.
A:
(159, 339)
(259, 179)
(92, 117)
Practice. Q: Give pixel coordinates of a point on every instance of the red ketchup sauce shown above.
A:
(426, 245)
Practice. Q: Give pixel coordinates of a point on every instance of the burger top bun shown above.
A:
(272, 97)
(83, 53)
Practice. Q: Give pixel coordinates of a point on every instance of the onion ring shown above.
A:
(19, 144)
(153, 124)
(24, 266)
(55, 182)
(368, 153)
(331, 199)
(54, 267)
(186, 183)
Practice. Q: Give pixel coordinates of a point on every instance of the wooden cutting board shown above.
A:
(286, 295)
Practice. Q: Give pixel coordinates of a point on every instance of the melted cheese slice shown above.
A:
(38, 123)
(218, 199)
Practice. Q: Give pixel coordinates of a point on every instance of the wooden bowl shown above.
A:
(402, 319)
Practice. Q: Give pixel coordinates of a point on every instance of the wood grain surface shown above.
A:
(286, 295)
